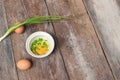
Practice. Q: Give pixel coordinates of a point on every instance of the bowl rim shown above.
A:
(38, 33)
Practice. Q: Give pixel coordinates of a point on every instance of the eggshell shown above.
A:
(20, 29)
(23, 64)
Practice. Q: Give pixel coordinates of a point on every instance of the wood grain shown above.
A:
(82, 53)
(105, 16)
(50, 68)
(7, 66)
(79, 54)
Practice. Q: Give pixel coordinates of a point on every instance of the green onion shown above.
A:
(39, 19)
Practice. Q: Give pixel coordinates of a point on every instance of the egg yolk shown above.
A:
(41, 50)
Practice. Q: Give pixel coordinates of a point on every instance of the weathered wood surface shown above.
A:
(82, 53)
(106, 18)
(7, 66)
(78, 54)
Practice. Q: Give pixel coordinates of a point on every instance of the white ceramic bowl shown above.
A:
(43, 35)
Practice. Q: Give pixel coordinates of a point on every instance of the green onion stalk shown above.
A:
(35, 20)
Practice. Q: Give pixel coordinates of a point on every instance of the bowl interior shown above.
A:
(35, 36)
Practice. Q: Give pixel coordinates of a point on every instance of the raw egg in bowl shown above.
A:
(40, 44)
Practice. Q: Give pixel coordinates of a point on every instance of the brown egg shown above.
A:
(20, 29)
(24, 64)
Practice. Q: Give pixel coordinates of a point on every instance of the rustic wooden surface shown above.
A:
(106, 18)
(87, 46)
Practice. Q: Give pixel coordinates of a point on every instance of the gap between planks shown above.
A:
(13, 57)
(98, 37)
(57, 41)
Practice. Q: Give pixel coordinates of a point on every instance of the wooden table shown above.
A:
(87, 47)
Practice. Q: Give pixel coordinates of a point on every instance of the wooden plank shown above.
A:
(7, 67)
(105, 16)
(49, 68)
(82, 53)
